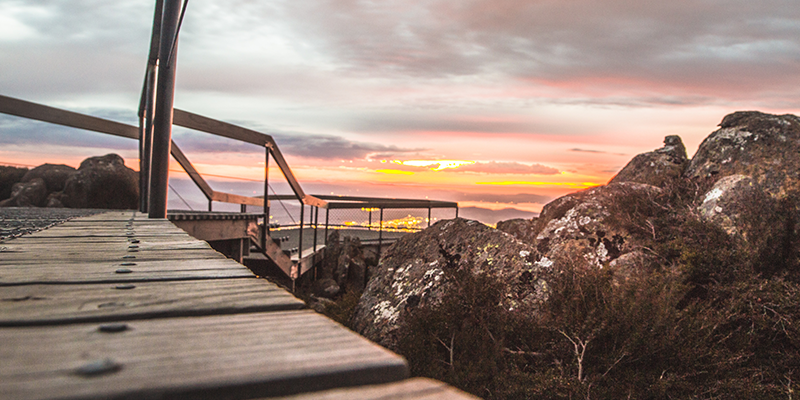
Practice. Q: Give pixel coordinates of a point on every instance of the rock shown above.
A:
(27, 194)
(748, 170)
(102, 182)
(762, 146)
(657, 167)
(325, 288)
(728, 199)
(412, 274)
(344, 262)
(520, 228)
(351, 267)
(594, 227)
(54, 175)
(8, 177)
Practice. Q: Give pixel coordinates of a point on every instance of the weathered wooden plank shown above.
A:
(409, 389)
(95, 244)
(79, 255)
(235, 356)
(58, 304)
(107, 272)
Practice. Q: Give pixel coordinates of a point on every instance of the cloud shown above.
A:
(504, 198)
(495, 167)
(588, 151)
(316, 146)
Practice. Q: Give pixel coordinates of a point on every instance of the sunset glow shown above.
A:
(495, 106)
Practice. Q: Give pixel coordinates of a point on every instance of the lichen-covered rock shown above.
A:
(520, 228)
(748, 169)
(657, 167)
(728, 199)
(413, 273)
(54, 175)
(591, 227)
(102, 182)
(762, 146)
(8, 177)
(27, 194)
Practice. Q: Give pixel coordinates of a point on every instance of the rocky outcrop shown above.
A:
(414, 273)
(748, 169)
(762, 146)
(54, 175)
(100, 182)
(657, 167)
(344, 264)
(8, 177)
(520, 228)
(587, 227)
(27, 194)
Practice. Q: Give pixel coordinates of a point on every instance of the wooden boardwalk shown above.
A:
(116, 305)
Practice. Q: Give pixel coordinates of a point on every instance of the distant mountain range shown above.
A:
(491, 217)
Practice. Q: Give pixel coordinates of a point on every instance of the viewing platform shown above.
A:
(118, 305)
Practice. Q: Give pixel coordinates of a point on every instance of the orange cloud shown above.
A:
(575, 185)
(394, 172)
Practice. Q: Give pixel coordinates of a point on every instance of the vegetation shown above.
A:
(715, 316)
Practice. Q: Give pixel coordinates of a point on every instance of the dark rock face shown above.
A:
(412, 274)
(101, 182)
(8, 177)
(520, 228)
(656, 167)
(344, 262)
(54, 175)
(326, 288)
(27, 194)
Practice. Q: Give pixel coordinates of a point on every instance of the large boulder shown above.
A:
(520, 228)
(415, 271)
(8, 177)
(27, 194)
(657, 167)
(344, 262)
(748, 171)
(54, 175)
(605, 226)
(101, 182)
(762, 146)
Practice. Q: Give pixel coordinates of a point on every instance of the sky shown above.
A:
(496, 104)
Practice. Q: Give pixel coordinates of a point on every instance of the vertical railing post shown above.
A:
(327, 215)
(265, 228)
(380, 234)
(165, 96)
(300, 241)
(316, 225)
(456, 211)
(369, 225)
(429, 217)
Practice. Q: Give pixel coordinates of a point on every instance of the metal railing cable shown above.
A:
(180, 197)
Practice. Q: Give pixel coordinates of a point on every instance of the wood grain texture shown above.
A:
(234, 356)
(409, 389)
(105, 272)
(59, 304)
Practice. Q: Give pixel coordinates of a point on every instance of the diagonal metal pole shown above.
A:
(162, 123)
